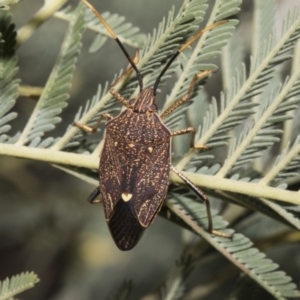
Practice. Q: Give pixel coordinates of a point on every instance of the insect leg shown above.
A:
(96, 126)
(189, 93)
(191, 130)
(205, 199)
(200, 194)
(92, 198)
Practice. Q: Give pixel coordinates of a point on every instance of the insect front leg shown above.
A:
(205, 199)
(93, 196)
(96, 126)
(189, 93)
(192, 143)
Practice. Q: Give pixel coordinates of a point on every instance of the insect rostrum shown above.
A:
(135, 162)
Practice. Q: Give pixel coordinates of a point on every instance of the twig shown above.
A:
(49, 8)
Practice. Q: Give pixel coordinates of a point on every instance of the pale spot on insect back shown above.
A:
(131, 145)
(150, 149)
(126, 197)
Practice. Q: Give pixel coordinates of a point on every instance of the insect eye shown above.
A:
(131, 102)
(153, 107)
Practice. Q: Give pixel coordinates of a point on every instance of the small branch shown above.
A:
(246, 188)
(78, 175)
(288, 125)
(49, 8)
(281, 165)
(207, 181)
(51, 156)
(259, 124)
(29, 91)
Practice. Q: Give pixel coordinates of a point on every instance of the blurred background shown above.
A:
(46, 224)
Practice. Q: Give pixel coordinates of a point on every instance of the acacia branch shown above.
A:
(205, 181)
(43, 14)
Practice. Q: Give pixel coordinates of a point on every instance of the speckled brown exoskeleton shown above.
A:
(135, 162)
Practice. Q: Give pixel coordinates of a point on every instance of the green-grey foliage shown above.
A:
(238, 249)
(127, 33)
(15, 285)
(4, 4)
(291, 166)
(245, 121)
(55, 93)
(8, 69)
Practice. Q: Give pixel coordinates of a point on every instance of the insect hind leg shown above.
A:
(205, 200)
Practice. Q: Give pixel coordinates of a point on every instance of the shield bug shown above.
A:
(135, 162)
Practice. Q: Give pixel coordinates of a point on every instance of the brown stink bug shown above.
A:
(135, 162)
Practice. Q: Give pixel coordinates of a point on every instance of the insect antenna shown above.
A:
(114, 36)
(182, 48)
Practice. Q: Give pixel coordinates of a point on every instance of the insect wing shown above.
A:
(127, 220)
(111, 177)
(130, 218)
(152, 184)
(134, 177)
(120, 215)
(124, 226)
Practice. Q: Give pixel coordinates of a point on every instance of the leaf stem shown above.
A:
(259, 124)
(206, 181)
(51, 156)
(246, 188)
(42, 15)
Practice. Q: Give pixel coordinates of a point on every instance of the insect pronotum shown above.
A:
(135, 162)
